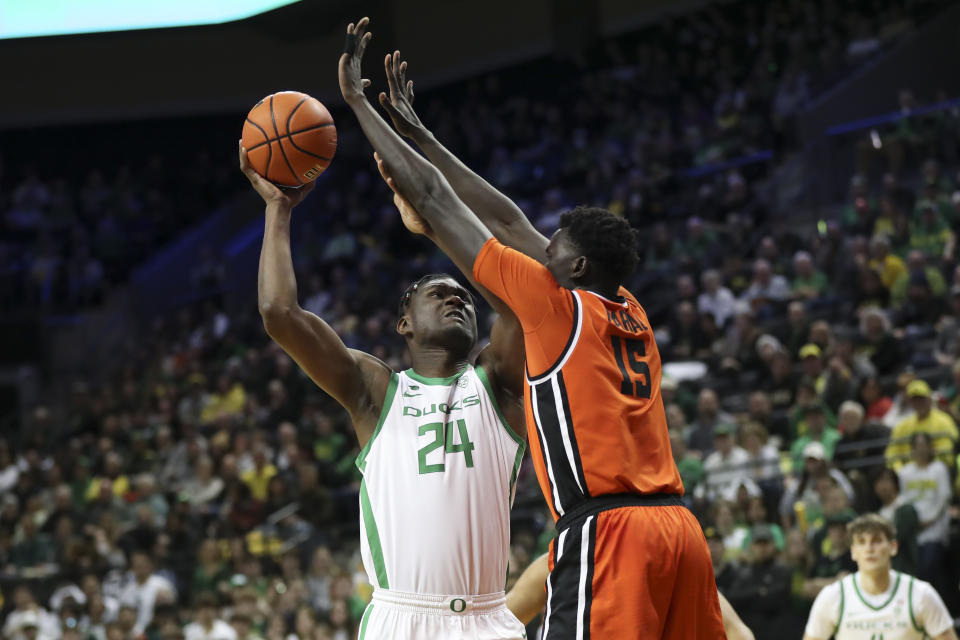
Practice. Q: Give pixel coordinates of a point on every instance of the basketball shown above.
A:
(290, 138)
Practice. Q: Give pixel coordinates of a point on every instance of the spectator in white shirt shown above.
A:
(925, 483)
(725, 467)
(766, 287)
(763, 458)
(716, 299)
(143, 589)
(207, 626)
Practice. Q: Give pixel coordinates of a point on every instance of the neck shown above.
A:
(876, 581)
(436, 362)
(609, 290)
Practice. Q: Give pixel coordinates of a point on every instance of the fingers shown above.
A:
(391, 76)
(410, 91)
(391, 110)
(364, 41)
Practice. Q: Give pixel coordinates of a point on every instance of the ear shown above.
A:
(579, 267)
(403, 326)
(894, 548)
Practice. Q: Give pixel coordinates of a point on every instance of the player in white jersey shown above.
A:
(439, 458)
(877, 603)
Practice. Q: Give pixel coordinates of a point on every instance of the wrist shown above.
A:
(278, 210)
(423, 136)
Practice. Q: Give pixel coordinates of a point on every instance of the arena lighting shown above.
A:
(32, 18)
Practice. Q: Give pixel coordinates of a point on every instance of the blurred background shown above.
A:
(793, 167)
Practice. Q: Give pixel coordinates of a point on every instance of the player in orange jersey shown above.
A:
(629, 561)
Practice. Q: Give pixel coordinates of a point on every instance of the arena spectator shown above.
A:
(937, 424)
(902, 515)
(925, 483)
(761, 586)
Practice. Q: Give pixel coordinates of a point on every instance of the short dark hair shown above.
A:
(890, 475)
(607, 240)
(412, 288)
(872, 523)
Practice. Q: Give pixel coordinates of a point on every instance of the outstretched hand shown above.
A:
(271, 193)
(412, 219)
(399, 105)
(352, 82)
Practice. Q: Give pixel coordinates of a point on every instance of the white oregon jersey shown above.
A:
(892, 619)
(438, 483)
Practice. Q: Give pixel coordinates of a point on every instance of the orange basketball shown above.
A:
(290, 138)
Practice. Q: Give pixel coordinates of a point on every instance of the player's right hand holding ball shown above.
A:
(272, 194)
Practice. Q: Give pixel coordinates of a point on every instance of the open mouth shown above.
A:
(459, 315)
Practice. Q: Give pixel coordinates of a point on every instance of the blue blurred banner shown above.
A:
(32, 18)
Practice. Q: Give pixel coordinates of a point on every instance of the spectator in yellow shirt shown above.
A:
(936, 423)
(113, 473)
(228, 400)
(889, 266)
(259, 477)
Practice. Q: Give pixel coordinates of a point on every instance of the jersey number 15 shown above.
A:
(628, 352)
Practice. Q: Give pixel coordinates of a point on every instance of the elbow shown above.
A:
(275, 317)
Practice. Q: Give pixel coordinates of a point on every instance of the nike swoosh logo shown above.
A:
(410, 395)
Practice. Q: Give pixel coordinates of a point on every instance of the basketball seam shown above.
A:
(289, 135)
(309, 153)
(266, 169)
(290, 116)
(283, 153)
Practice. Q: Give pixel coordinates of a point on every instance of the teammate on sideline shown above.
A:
(439, 459)
(595, 419)
(877, 603)
(527, 599)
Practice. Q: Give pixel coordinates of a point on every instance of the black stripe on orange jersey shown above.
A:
(571, 582)
(571, 340)
(559, 459)
(568, 419)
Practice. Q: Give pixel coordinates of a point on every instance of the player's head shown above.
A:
(592, 248)
(437, 310)
(873, 542)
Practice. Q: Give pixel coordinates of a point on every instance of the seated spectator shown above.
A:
(808, 283)
(802, 500)
(211, 576)
(937, 424)
(877, 343)
(32, 549)
(725, 466)
(207, 625)
(917, 264)
(947, 349)
(929, 233)
(925, 483)
(817, 431)
(888, 265)
(902, 515)
(258, 478)
(860, 442)
(142, 590)
(28, 620)
(794, 332)
(832, 556)
(920, 309)
(119, 483)
(761, 586)
(228, 400)
(781, 382)
(760, 410)
(762, 458)
(877, 404)
(757, 515)
(709, 417)
(766, 289)
(724, 570)
(715, 299)
(204, 488)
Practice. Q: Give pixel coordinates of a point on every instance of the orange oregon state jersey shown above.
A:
(595, 418)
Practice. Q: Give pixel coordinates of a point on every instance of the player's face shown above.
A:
(442, 312)
(564, 259)
(872, 550)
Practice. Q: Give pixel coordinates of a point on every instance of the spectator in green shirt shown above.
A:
(808, 283)
(929, 233)
(817, 431)
(917, 262)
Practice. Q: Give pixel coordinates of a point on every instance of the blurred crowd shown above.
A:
(207, 490)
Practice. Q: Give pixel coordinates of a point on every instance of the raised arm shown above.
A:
(456, 226)
(357, 380)
(503, 358)
(497, 212)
